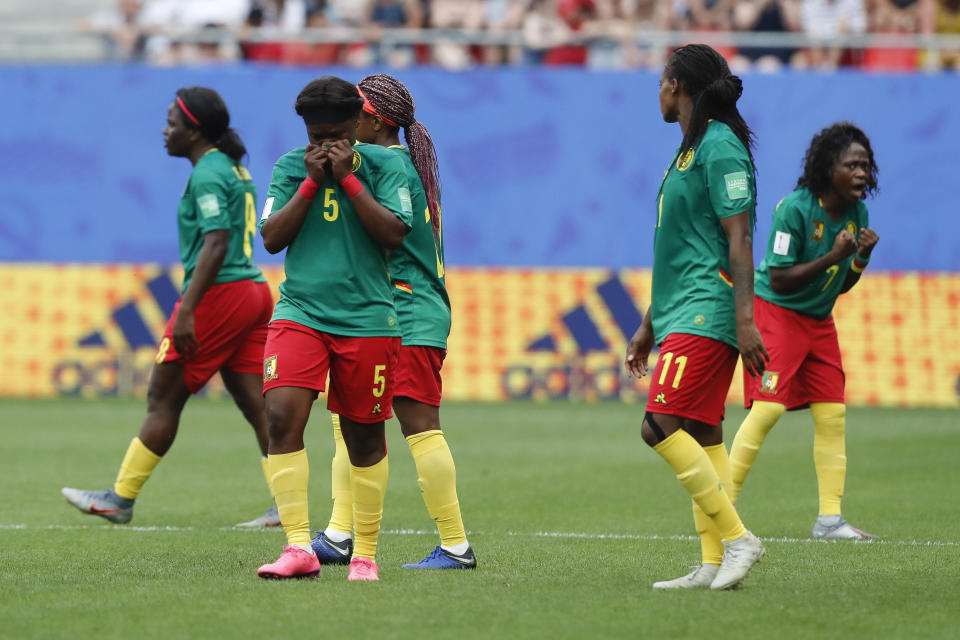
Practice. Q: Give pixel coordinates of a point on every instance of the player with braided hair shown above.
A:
(336, 207)
(819, 244)
(423, 310)
(701, 308)
(220, 321)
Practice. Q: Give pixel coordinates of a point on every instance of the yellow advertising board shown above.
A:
(91, 330)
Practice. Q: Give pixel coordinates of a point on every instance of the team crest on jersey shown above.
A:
(357, 161)
(376, 410)
(270, 368)
(661, 398)
(684, 163)
(817, 231)
(768, 383)
(852, 227)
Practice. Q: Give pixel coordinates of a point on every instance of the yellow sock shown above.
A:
(749, 439)
(829, 453)
(369, 487)
(437, 477)
(138, 463)
(341, 518)
(711, 542)
(696, 473)
(266, 472)
(289, 478)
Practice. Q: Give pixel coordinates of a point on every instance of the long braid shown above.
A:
(392, 100)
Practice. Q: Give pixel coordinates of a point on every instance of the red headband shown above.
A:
(186, 111)
(369, 109)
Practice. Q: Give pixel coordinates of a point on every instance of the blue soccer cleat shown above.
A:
(443, 559)
(330, 552)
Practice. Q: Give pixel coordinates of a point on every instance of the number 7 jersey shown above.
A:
(802, 232)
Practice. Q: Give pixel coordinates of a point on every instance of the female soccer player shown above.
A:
(820, 243)
(423, 310)
(701, 307)
(335, 314)
(220, 321)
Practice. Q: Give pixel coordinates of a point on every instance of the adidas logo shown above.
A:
(117, 358)
(595, 370)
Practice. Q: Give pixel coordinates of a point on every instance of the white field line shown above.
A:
(521, 534)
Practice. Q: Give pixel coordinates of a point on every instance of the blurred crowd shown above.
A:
(462, 33)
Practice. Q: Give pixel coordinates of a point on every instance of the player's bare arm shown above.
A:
(638, 349)
(283, 225)
(212, 253)
(384, 227)
(868, 240)
(740, 237)
(792, 278)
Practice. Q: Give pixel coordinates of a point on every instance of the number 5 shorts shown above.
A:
(361, 369)
(692, 378)
(231, 328)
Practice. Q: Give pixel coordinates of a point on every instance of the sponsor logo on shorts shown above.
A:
(270, 368)
(768, 383)
(661, 398)
(376, 410)
(817, 231)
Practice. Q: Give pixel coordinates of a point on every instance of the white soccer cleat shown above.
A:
(700, 578)
(739, 556)
(270, 519)
(836, 528)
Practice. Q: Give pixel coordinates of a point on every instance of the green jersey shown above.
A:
(692, 291)
(219, 195)
(802, 232)
(420, 292)
(336, 276)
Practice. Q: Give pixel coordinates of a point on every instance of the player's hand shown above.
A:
(868, 240)
(184, 335)
(316, 160)
(341, 159)
(844, 245)
(752, 351)
(638, 352)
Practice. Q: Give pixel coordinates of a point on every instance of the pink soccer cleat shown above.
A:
(363, 569)
(293, 563)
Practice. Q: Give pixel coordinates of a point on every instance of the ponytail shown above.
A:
(391, 100)
(205, 110)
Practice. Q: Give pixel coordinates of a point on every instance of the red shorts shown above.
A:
(418, 374)
(362, 369)
(231, 328)
(692, 378)
(805, 363)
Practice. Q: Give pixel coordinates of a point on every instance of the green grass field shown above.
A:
(571, 515)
